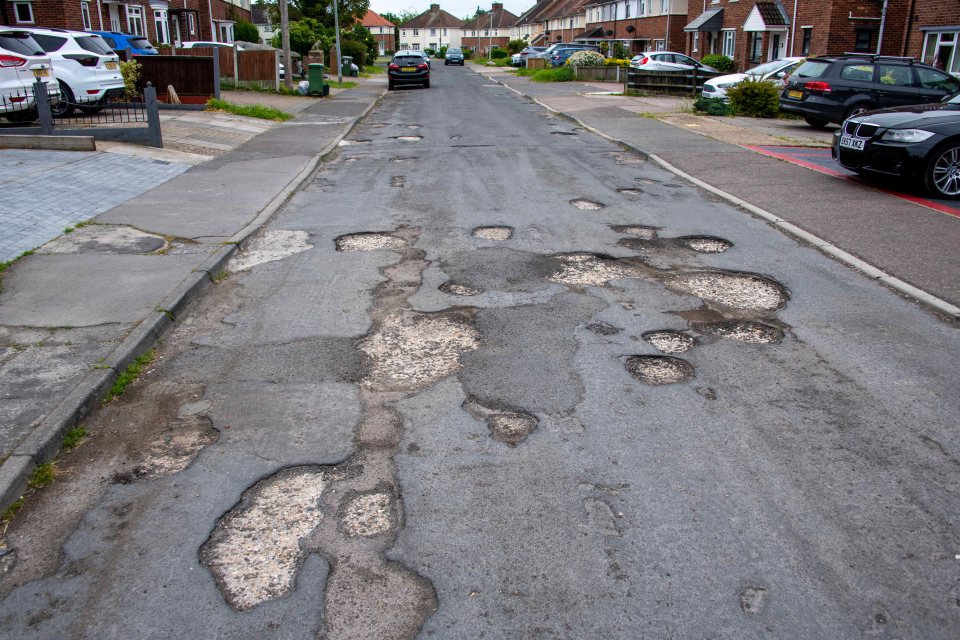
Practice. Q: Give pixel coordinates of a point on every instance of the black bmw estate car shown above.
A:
(920, 143)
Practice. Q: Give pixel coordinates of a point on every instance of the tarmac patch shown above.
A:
(493, 233)
(268, 247)
(659, 370)
(369, 241)
(367, 515)
(104, 238)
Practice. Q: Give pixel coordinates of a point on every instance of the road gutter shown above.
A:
(43, 443)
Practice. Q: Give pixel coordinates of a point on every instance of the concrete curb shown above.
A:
(43, 443)
(830, 249)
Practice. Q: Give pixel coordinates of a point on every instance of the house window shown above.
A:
(756, 46)
(664, 7)
(160, 23)
(571, 23)
(626, 9)
(444, 32)
(135, 20)
(85, 14)
(226, 32)
(433, 32)
(486, 32)
(658, 45)
(642, 8)
(191, 23)
(805, 43)
(381, 47)
(416, 32)
(24, 12)
(864, 41)
(696, 41)
(940, 50)
(729, 40)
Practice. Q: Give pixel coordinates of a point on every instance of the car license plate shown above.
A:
(111, 65)
(795, 94)
(41, 73)
(852, 143)
(408, 68)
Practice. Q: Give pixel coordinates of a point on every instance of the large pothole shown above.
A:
(268, 247)
(590, 270)
(743, 331)
(742, 291)
(493, 233)
(455, 289)
(659, 370)
(507, 426)
(369, 241)
(667, 341)
(254, 551)
(587, 205)
(705, 244)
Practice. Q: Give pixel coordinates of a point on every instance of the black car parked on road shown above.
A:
(833, 88)
(408, 67)
(920, 143)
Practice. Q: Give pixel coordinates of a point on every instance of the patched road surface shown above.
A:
(487, 375)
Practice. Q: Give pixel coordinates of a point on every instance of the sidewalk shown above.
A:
(67, 330)
(900, 241)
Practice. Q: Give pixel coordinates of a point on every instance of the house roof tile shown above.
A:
(374, 19)
(432, 18)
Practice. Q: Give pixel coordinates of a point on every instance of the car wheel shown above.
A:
(64, 106)
(856, 110)
(426, 84)
(816, 123)
(942, 175)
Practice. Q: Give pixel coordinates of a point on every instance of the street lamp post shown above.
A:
(490, 47)
(336, 30)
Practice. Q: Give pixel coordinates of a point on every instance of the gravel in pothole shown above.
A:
(409, 138)
(368, 241)
(734, 290)
(589, 270)
(268, 247)
(705, 244)
(507, 426)
(367, 515)
(493, 233)
(641, 231)
(743, 330)
(454, 289)
(410, 350)
(667, 341)
(587, 205)
(630, 191)
(254, 551)
(658, 370)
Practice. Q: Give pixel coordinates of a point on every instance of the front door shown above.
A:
(114, 17)
(774, 46)
(175, 30)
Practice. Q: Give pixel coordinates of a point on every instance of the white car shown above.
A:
(204, 44)
(516, 60)
(667, 61)
(86, 68)
(22, 62)
(774, 71)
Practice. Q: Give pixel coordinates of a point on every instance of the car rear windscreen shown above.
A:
(95, 45)
(21, 43)
(408, 61)
(811, 69)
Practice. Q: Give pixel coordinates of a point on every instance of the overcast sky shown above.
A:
(459, 8)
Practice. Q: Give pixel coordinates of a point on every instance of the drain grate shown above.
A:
(493, 233)
(705, 244)
(587, 205)
(742, 330)
(659, 370)
(368, 241)
(668, 341)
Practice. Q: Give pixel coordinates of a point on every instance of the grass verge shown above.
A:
(558, 74)
(132, 373)
(249, 110)
(346, 84)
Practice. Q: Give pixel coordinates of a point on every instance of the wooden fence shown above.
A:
(536, 63)
(253, 68)
(192, 76)
(677, 83)
(610, 73)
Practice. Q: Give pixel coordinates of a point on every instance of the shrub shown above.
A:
(467, 54)
(516, 46)
(718, 62)
(617, 62)
(357, 50)
(246, 32)
(130, 71)
(499, 53)
(758, 98)
(586, 59)
(712, 106)
(441, 53)
(560, 74)
(429, 52)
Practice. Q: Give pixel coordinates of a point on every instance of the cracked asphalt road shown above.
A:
(391, 421)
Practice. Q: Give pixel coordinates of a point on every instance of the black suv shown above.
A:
(833, 88)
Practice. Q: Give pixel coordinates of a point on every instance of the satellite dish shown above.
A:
(630, 28)
(608, 33)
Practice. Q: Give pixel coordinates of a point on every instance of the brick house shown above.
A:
(639, 25)
(382, 30)
(161, 21)
(489, 28)
(431, 29)
(932, 33)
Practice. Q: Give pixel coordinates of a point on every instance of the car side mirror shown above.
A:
(780, 75)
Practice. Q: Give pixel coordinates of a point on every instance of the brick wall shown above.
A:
(927, 13)
(647, 29)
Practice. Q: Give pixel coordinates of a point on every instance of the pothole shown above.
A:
(399, 159)
(172, 453)
(668, 341)
(368, 241)
(455, 137)
(733, 290)
(254, 551)
(752, 600)
(367, 515)
(397, 181)
(493, 233)
(347, 143)
(411, 350)
(455, 289)
(630, 191)
(639, 230)
(562, 133)
(587, 205)
(705, 244)
(413, 126)
(408, 138)
(743, 331)
(657, 370)
(268, 247)
(603, 329)
(507, 426)
(589, 270)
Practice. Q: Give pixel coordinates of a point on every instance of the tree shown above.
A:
(515, 46)
(304, 33)
(246, 32)
(362, 35)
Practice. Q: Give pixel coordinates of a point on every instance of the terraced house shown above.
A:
(431, 29)
(161, 21)
(639, 25)
(489, 29)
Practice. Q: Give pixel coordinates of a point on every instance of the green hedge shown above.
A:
(758, 98)
(718, 62)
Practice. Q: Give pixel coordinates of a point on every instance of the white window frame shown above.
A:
(659, 45)
(191, 23)
(433, 32)
(642, 11)
(162, 26)
(729, 38)
(85, 15)
(936, 39)
(135, 20)
(16, 12)
(416, 32)
(696, 41)
(664, 7)
(225, 31)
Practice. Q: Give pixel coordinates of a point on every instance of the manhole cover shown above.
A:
(587, 205)
(734, 290)
(368, 241)
(641, 231)
(668, 341)
(493, 233)
(454, 289)
(705, 244)
(657, 370)
(743, 330)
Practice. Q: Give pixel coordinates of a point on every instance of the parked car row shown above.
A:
(79, 68)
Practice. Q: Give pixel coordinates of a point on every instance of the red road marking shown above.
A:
(793, 158)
